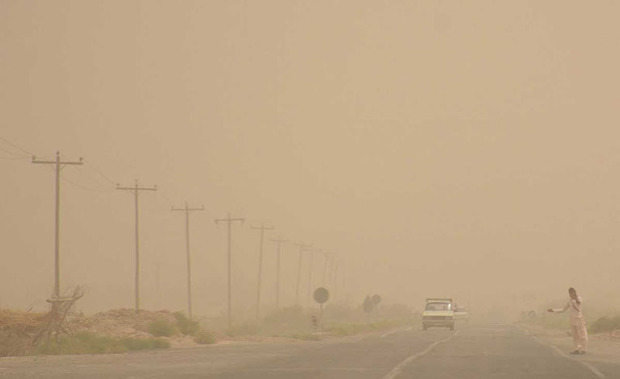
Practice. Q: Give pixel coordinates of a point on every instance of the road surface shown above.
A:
(472, 352)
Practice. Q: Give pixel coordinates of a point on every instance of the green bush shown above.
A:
(185, 325)
(343, 330)
(605, 324)
(205, 338)
(161, 328)
(307, 337)
(89, 343)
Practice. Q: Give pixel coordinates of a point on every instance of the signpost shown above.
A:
(321, 295)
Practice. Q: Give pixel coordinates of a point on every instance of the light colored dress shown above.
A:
(577, 323)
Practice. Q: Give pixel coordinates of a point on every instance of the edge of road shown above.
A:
(599, 350)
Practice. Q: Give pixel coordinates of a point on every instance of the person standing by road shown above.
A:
(577, 322)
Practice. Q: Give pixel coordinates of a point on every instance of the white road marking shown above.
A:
(389, 333)
(396, 331)
(590, 367)
(398, 369)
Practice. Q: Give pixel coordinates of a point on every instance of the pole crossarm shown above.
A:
(229, 220)
(136, 188)
(59, 166)
(186, 209)
(60, 163)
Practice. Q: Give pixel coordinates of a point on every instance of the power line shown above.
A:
(29, 155)
(104, 176)
(92, 176)
(15, 146)
(84, 187)
(65, 179)
(14, 154)
(13, 159)
(166, 197)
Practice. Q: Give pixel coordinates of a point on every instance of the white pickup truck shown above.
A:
(438, 312)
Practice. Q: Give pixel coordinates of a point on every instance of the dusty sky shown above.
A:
(451, 148)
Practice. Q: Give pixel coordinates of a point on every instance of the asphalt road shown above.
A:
(490, 351)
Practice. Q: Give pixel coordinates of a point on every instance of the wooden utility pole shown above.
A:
(335, 278)
(229, 220)
(136, 189)
(59, 166)
(187, 210)
(301, 255)
(310, 267)
(327, 257)
(279, 241)
(262, 229)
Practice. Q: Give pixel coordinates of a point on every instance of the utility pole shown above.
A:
(136, 189)
(335, 277)
(301, 255)
(310, 277)
(158, 284)
(262, 229)
(187, 210)
(343, 280)
(327, 257)
(229, 220)
(279, 241)
(59, 166)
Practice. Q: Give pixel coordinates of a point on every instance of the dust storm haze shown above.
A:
(438, 148)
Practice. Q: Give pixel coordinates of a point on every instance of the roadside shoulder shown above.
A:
(601, 348)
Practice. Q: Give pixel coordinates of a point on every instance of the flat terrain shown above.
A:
(484, 351)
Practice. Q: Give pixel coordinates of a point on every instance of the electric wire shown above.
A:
(16, 146)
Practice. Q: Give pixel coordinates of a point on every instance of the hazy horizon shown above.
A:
(465, 149)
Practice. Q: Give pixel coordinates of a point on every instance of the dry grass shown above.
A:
(18, 330)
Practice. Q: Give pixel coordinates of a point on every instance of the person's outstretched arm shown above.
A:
(559, 310)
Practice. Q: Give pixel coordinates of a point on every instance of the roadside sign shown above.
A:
(321, 295)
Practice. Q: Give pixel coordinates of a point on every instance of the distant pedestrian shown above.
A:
(577, 322)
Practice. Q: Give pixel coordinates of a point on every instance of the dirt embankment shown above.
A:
(119, 323)
(18, 329)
